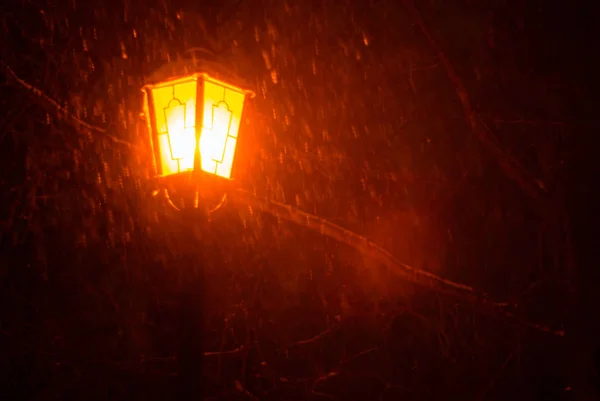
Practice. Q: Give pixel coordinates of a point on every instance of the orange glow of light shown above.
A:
(174, 107)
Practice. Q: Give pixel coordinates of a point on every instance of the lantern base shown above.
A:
(195, 190)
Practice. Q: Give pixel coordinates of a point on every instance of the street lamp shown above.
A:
(194, 123)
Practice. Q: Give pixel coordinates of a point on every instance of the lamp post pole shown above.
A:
(191, 309)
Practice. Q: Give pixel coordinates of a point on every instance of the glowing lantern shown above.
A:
(194, 123)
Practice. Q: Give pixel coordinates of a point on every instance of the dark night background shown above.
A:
(454, 134)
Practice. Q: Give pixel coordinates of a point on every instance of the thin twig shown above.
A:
(492, 382)
(55, 107)
(347, 374)
(321, 394)
(498, 121)
(508, 163)
(358, 355)
(313, 339)
(207, 353)
(230, 352)
(240, 387)
(321, 379)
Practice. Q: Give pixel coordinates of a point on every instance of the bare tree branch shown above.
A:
(508, 163)
(362, 244)
(376, 252)
(53, 106)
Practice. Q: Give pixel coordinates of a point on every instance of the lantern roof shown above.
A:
(183, 68)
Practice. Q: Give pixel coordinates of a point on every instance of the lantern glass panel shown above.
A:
(175, 112)
(222, 114)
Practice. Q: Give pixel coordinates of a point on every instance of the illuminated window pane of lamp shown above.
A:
(221, 114)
